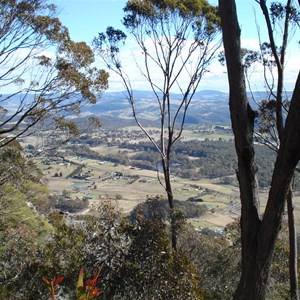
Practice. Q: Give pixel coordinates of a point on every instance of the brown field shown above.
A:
(129, 192)
(222, 200)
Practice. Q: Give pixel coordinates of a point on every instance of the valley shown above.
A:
(103, 165)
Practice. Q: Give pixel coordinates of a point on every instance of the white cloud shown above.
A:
(132, 60)
(250, 43)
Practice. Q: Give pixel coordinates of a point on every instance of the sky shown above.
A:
(86, 18)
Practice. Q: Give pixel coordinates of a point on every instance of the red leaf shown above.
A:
(89, 283)
(59, 279)
(95, 279)
(95, 292)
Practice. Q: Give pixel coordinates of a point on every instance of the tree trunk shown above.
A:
(294, 294)
(257, 251)
(258, 235)
(280, 62)
(168, 188)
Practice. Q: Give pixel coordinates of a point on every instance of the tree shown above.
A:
(43, 72)
(105, 243)
(258, 232)
(14, 168)
(281, 22)
(273, 112)
(178, 42)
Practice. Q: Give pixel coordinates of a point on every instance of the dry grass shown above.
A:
(103, 185)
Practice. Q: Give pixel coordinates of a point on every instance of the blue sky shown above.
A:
(85, 18)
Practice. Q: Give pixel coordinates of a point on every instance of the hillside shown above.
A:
(207, 107)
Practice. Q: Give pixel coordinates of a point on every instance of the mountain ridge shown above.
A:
(206, 108)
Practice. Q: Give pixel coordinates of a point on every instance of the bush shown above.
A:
(154, 208)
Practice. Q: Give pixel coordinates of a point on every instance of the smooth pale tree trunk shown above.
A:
(168, 188)
(258, 234)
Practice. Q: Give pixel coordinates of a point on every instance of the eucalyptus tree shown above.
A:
(280, 125)
(281, 22)
(177, 42)
(43, 72)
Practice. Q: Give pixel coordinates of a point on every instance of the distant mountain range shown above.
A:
(113, 108)
(207, 107)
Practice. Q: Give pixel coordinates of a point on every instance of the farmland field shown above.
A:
(129, 186)
(128, 191)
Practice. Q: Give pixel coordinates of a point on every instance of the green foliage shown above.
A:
(106, 242)
(59, 83)
(279, 284)
(136, 261)
(66, 125)
(181, 36)
(82, 151)
(135, 258)
(15, 211)
(69, 205)
(14, 168)
(151, 270)
(38, 195)
(159, 208)
(278, 12)
(18, 253)
(199, 13)
(216, 259)
(27, 258)
(63, 253)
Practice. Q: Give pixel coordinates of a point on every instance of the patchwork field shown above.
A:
(128, 186)
(136, 185)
